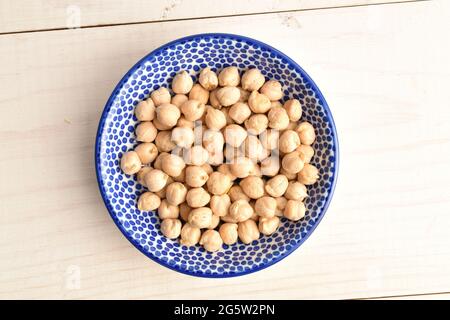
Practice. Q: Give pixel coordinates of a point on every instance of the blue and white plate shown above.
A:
(116, 136)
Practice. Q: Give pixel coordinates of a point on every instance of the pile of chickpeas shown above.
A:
(222, 159)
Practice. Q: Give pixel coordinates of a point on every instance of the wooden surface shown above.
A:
(384, 71)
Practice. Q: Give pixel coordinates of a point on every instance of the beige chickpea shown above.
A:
(253, 149)
(269, 139)
(158, 125)
(155, 180)
(236, 194)
(164, 141)
(266, 206)
(184, 211)
(200, 217)
(294, 210)
(193, 109)
(171, 228)
(181, 176)
(199, 93)
(179, 99)
(162, 193)
(190, 235)
(220, 204)
(239, 112)
(292, 162)
(252, 79)
(229, 233)
(148, 201)
(270, 166)
(145, 110)
(182, 137)
(306, 133)
(141, 174)
(157, 164)
(173, 165)
(244, 95)
(228, 219)
(289, 175)
(281, 204)
(213, 140)
(218, 183)
(253, 186)
(130, 162)
(268, 226)
(240, 210)
(274, 104)
(241, 167)
(248, 231)
(146, 132)
(234, 135)
(197, 197)
(293, 109)
(197, 155)
(167, 210)
(215, 119)
(229, 76)
(308, 175)
(292, 125)
(214, 222)
(176, 193)
(213, 101)
(258, 102)
(196, 176)
(226, 112)
(168, 114)
(147, 152)
(160, 96)
(306, 153)
(272, 89)
(278, 118)
(182, 83)
(296, 191)
(211, 240)
(207, 167)
(225, 169)
(208, 79)
(257, 123)
(289, 141)
(277, 185)
(184, 123)
(228, 96)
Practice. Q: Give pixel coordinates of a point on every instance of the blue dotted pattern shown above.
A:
(116, 136)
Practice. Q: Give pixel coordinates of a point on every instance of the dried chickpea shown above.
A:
(145, 110)
(253, 149)
(292, 162)
(176, 193)
(168, 114)
(155, 180)
(218, 183)
(141, 174)
(182, 83)
(308, 175)
(207, 167)
(192, 109)
(171, 228)
(173, 165)
(266, 206)
(294, 210)
(208, 79)
(248, 231)
(258, 102)
(184, 211)
(196, 176)
(164, 141)
(241, 167)
(240, 210)
(215, 119)
(225, 169)
(229, 76)
(130, 162)
(244, 95)
(296, 191)
(197, 197)
(277, 185)
(252, 79)
(199, 93)
(190, 235)
(253, 186)
(226, 112)
(268, 226)
(293, 109)
(220, 204)
(197, 156)
(239, 112)
(228, 96)
(211, 240)
(181, 176)
(162, 193)
(148, 201)
(158, 125)
(234, 135)
(213, 99)
(281, 204)
(182, 137)
(278, 118)
(257, 123)
(160, 96)
(269, 139)
(200, 217)
(228, 219)
(274, 104)
(306, 153)
(229, 233)
(167, 210)
(289, 141)
(270, 166)
(179, 99)
(145, 132)
(157, 164)
(290, 176)
(306, 133)
(272, 89)
(236, 194)
(215, 220)
(147, 152)
(292, 125)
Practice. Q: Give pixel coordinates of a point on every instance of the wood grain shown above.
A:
(385, 74)
(28, 15)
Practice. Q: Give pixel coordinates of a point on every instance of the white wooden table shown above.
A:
(384, 69)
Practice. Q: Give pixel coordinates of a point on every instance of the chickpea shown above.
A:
(196, 176)
(147, 152)
(225, 169)
(200, 217)
(146, 132)
(208, 79)
(179, 99)
(207, 167)
(220, 204)
(130, 162)
(308, 175)
(281, 204)
(182, 83)
(197, 156)
(158, 125)
(244, 95)
(240, 210)
(155, 180)
(229, 76)
(266, 206)
(162, 193)
(148, 201)
(167, 210)
(278, 118)
(193, 109)
(248, 231)
(257, 123)
(176, 193)
(145, 110)
(228, 219)
(213, 140)
(168, 114)
(277, 186)
(306, 133)
(306, 153)
(171, 228)
(197, 197)
(141, 174)
(211, 240)
(290, 176)
(213, 99)
(228, 96)
(268, 226)
(234, 135)
(258, 102)
(292, 125)
(239, 112)
(184, 211)
(272, 89)
(292, 162)
(254, 149)
(214, 222)
(229, 233)
(215, 119)
(270, 166)
(190, 235)
(199, 93)
(296, 191)
(173, 165)
(293, 109)
(218, 183)
(269, 139)
(241, 167)
(160, 96)
(253, 186)
(252, 79)
(157, 164)
(183, 137)
(226, 112)
(164, 141)
(274, 104)
(236, 194)
(289, 141)
(294, 210)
